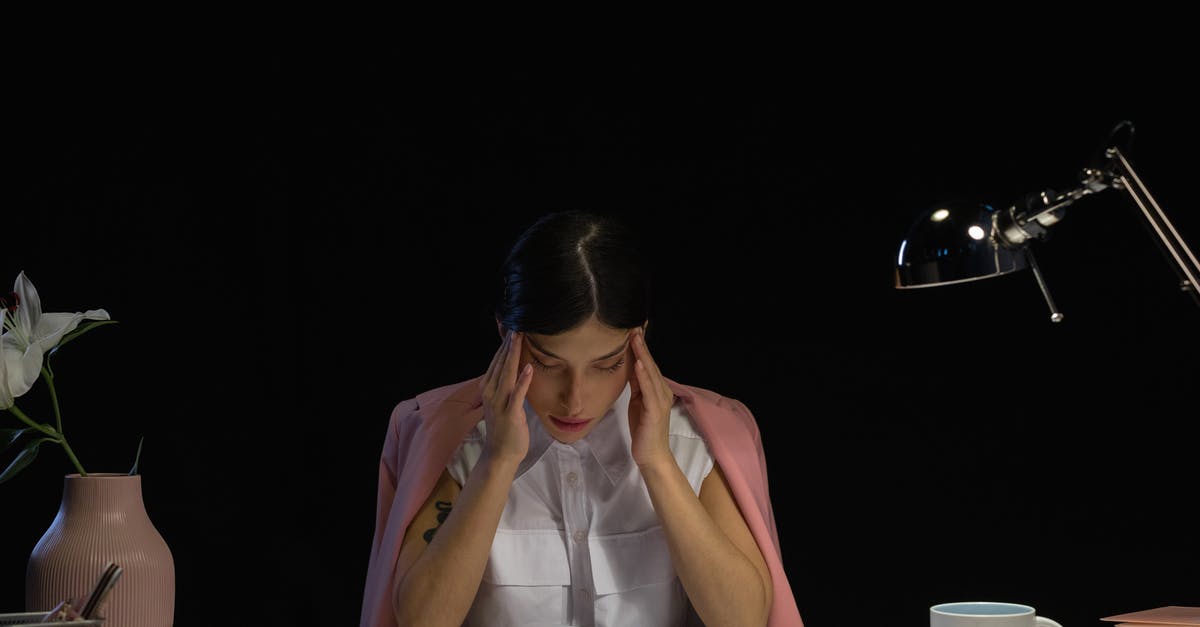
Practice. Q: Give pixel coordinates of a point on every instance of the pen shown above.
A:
(111, 574)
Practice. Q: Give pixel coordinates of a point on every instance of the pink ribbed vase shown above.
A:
(102, 518)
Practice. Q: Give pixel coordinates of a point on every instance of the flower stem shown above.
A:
(71, 454)
(60, 437)
(29, 421)
(49, 377)
(57, 436)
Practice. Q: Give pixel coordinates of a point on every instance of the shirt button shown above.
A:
(580, 535)
(572, 478)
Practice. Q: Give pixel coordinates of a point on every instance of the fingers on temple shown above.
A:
(646, 371)
(491, 378)
(511, 360)
(643, 355)
(524, 378)
(650, 395)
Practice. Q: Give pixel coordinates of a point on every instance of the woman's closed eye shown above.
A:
(607, 369)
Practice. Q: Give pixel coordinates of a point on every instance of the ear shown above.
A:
(645, 325)
(500, 329)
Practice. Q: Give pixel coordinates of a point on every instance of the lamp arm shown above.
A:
(1030, 219)
(1037, 212)
(1093, 181)
(1174, 247)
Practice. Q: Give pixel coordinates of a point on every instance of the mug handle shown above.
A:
(1042, 621)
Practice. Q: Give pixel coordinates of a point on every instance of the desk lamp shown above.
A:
(958, 242)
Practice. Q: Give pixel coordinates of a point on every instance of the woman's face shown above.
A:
(577, 375)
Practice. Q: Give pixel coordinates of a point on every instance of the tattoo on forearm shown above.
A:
(443, 508)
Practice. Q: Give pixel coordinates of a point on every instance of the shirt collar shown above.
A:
(609, 441)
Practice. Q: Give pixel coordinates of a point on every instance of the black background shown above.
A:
(295, 239)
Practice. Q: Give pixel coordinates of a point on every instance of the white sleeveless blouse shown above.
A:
(579, 542)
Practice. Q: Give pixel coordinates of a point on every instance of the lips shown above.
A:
(574, 423)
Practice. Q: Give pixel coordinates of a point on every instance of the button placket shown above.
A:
(573, 492)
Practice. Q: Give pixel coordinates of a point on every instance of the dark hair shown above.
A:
(569, 265)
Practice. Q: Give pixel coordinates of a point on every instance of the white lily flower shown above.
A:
(28, 335)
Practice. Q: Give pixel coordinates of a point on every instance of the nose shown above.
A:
(572, 397)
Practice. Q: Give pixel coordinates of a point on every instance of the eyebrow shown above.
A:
(616, 352)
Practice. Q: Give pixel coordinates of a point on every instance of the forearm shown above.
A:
(441, 585)
(721, 583)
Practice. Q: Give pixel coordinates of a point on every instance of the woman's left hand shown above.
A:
(649, 407)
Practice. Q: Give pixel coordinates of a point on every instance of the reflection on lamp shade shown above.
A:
(953, 243)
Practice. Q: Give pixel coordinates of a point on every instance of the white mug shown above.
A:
(986, 614)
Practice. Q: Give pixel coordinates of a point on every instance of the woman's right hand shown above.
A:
(503, 389)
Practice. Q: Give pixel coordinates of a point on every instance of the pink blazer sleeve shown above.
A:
(732, 435)
(393, 513)
(422, 435)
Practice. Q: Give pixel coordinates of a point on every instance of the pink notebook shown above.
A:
(1167, 615)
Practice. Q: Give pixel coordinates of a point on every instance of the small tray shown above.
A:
(34, 619)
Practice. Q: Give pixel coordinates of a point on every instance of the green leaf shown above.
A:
(24, 458)
(79, 330)
(138, 457)
(9, 437)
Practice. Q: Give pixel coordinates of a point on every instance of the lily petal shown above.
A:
(23, 365)
(51, 327)
(30, 307)
(6, 397)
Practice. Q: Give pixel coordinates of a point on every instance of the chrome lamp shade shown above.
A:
(955, 243)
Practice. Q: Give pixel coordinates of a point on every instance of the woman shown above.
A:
(572, 483)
